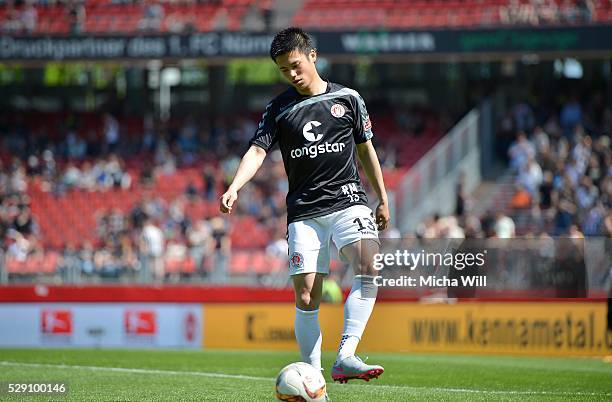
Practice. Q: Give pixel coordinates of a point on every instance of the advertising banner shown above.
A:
(100, 325)
(209, 45)
(527, 328)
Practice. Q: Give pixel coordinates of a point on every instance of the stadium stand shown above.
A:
(67, 198)
(96, 16)
(77, 187)
(343, 14)
(560, 181)
(563, 175)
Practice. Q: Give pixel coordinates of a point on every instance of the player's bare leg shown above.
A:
(357, 311)
(308, 292)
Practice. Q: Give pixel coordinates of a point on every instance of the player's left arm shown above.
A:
(369, 161)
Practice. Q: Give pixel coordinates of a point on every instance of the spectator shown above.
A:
(29, 17)
(473, 227)
(165, 160)
(12, 22)
(86, 257)
(210, 183)
(118, 176)
(594, 221)
(523, 117)
(569, 12)
(461, 196)
(176, 251)
(221, 20)
(448, 228)
(586, 194)
(530, 176)
(71, 176)
(504, 226)
(546, 190)
(191, 191)
(87, 179)
(566, 211)
(106, 262)
(520, 151)
(548, 12)
(19, 246)
(571, 116)
(146, 174)
(267, 13)
(177, 222)
(153, 17)
(76, 16)
(152, 250)
(76, 147)
(111, 133)
(278, 247)
(137, 216)
(200, 242)
(594, 171)
(24, 223)
(541, 140)
(573, 173)
(575, 233)
(582, 151)
(18, 179)
(222, 247)
(69, 264)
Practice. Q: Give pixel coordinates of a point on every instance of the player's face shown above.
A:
(298, 68)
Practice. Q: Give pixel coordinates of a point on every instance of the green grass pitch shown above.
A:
(232, 375)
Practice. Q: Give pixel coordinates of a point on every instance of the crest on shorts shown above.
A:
(337, 110)
(297, 260)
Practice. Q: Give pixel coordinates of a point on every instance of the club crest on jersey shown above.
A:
(296, 260)
(337, 110)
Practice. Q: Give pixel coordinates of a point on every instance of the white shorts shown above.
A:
(309, 239)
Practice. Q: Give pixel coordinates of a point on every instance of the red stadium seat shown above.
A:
(240, 262)
(14, 266)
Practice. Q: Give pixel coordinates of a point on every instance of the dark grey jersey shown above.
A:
(317, 136)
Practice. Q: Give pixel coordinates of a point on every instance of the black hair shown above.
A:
(290, 39)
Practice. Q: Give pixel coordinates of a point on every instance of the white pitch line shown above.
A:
(482, 391)
(134, 370)
(248, 377)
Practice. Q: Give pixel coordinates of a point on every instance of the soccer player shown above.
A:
(319, 127)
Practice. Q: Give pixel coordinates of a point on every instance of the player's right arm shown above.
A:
(249, 165)
(262, 141)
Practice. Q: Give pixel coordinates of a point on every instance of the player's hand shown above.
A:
(382, 216)
(227, 201)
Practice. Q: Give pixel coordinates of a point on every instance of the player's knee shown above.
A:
(305, 301)
(363, 266)
(367, 268)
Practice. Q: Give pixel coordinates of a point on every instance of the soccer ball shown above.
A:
(300, 382)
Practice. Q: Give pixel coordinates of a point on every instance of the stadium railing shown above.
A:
(425, 188)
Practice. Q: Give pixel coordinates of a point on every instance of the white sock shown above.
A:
(308, 335)
(357, 310)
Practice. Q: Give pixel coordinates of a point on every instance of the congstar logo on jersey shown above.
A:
(315, 150)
